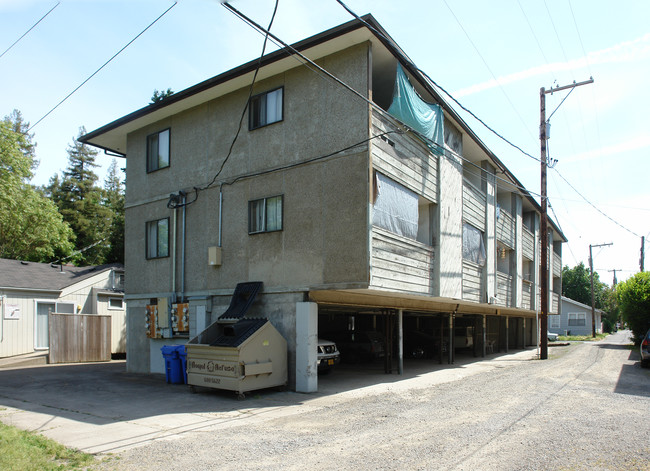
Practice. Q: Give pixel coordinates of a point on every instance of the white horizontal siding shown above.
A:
(474, 203)
(506, 229)
(472, 282)
(526, 290)
(400, 264)
(528, 243)
(504, 289)
(408, 162)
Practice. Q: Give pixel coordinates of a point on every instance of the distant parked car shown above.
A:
(328, 355)
(551, 336)
(645, 350)
(360, 346)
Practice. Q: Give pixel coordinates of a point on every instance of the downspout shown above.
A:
(220, 213)
(184, 196)
(174, 255)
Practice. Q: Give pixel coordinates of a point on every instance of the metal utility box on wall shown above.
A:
(238, 354)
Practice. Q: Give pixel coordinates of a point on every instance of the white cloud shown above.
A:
(639, 142)
(628, 51)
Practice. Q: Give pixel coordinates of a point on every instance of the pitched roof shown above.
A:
(45, 276)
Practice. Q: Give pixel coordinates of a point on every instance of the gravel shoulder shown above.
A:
(584, 408)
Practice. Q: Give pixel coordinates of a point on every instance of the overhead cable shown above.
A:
(316, 68)
(596, 207)
(34, 26)
(104, 65)
(433, 82)
(250, 94)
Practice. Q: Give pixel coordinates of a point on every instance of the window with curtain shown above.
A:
(265, 215)
(158, 238)
(473, 245)
(158, 150)
(265, 108)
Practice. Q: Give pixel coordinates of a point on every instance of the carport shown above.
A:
(415, 326)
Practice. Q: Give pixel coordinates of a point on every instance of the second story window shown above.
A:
(158, 150)
(265, 215)
(265, 108)
(158, 238)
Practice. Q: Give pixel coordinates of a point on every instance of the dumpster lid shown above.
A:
(235, 334)
(242, 299)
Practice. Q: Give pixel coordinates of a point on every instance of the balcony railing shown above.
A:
(526, 294)
(504, 289)
(474, 203)
(473, 288)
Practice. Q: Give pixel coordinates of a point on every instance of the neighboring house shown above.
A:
(351, 219)
(574, 319)
(29, 291)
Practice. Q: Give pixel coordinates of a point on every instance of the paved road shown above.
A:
(587, 407)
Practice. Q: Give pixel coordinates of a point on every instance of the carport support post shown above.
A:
(306, 347)
(400, 341)
(451, 338)
(507, 334)
(484, 333)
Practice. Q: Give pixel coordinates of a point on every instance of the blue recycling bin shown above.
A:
(173, 364)
(182, 355)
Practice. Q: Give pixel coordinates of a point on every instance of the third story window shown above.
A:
(158, 150)
(158, 238)
(265, 108)
(265, 215)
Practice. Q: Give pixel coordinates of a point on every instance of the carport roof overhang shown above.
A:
(377, 299)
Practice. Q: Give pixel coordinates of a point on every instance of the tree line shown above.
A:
(627, 302)
(70, 220)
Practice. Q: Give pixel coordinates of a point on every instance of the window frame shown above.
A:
(257, 99)
(265, 222)
(150, 167)
(579, 319)
(114, 308)
(146, 238)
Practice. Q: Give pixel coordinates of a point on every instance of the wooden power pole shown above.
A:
(543, 354)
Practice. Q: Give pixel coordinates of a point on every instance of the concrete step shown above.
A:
(22, 361)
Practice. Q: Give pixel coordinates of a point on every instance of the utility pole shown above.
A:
(593, 305)
(543, 353)
(615, 281)
(642, 253)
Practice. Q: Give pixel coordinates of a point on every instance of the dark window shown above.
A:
(158, 238)
(265, 215)
(265, 108)
(158, 150)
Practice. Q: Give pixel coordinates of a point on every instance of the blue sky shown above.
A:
(492, 56)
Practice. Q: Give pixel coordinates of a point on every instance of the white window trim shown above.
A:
(264, 222)
(115, 298)
(263, 98)
(151, 168)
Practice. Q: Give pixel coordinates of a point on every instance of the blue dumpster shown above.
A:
(173, 364)
(182, 354)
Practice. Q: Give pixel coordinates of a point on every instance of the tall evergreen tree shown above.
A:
(576, 285)
(80, 201)
(114, 201)
(31, 228)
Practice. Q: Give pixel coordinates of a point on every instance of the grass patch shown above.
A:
(26, 451)
(581, 338)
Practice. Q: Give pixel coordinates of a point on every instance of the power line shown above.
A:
(316, 68)
(250, 94)
(596, 207)
(439, 87)
(26, 32)
(104, 65)
(489, 69)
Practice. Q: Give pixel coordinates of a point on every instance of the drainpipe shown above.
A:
(174, 255)
(220, 212)
(184, 196)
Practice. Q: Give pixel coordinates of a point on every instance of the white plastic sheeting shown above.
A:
(396, 207)
(473, 245)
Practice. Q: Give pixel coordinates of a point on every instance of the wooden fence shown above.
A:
(76, 338)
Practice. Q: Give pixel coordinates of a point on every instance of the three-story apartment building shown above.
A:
(363, 203)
